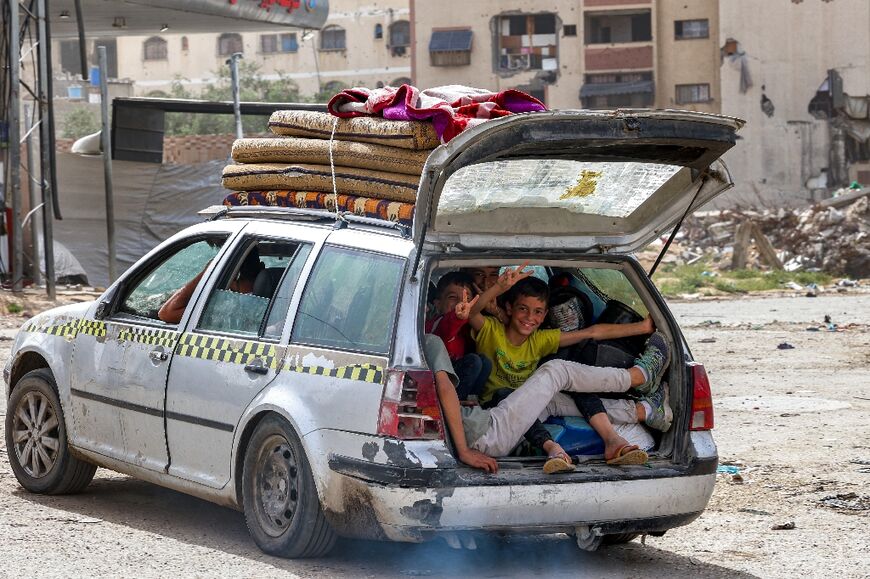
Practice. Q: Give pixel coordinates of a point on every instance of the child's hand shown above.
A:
(463, 307)
(648, 326)
(477, 459)
(511, 276)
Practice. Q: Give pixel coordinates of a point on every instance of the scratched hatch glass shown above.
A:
(608, 189)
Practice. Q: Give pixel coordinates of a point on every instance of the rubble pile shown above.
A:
(816, 238)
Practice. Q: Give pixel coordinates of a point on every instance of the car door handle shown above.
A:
(257, 367)
(158, 355)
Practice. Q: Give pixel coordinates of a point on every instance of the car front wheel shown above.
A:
(36, 439)
(282, 509)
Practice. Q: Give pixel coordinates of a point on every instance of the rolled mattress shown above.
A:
(318, 178)
(344, 153)
(417, 135)
(377, 208)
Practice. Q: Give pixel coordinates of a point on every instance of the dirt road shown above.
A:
(793, 424)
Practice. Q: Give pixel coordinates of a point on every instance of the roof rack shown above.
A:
(341, 219)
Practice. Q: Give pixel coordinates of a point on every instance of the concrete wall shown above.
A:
(366, 61)
(789, 48)
(690, 61)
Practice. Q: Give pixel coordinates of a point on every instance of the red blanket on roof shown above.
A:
(452, 109)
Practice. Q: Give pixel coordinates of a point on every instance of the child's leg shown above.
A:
(537, 434)
(468, 369)
(485, 371)
(514, 415)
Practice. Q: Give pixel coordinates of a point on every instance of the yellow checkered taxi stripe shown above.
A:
(92, 328)
(362, 372)
(203, 347)
(54, 327)
(149, 336)
(231, 351)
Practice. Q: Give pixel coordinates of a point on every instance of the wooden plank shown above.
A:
(846, 199)
(742, 237)
(765, 250)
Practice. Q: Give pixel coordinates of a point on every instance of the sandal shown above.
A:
(628, 454)
(558, 463)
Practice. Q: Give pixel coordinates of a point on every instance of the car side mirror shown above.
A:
(104, 308)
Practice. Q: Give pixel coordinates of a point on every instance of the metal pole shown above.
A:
(316, 63)
(83, 49)
(233, 61)
(45, 157)
(34, 222)
(105, 142)
(15, 145)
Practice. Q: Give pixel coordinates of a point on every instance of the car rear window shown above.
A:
(350, 301)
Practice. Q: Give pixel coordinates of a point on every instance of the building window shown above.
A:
(272, 43)
(230, 43)
(618, 27)
(450, 47)
(527, 42)
(618, 90)
(185, 45)
(692, 93)
(155, 48)
(333, 38)
(569, 30)
(400, 37)
(379, 31)
(686, 29)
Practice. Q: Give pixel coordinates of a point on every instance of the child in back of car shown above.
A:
(471, 368)
(516, 348)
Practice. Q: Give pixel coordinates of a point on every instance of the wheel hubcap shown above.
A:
(35, 436)
(276, 486)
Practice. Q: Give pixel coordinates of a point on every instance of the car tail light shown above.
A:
(702, 399)
(409, 408)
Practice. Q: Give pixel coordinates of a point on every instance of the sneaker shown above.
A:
(654, 360)
(660, 401)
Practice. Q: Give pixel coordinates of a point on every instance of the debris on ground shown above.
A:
(783, 526)
(847, 502)
(833, 239)
(785, 346)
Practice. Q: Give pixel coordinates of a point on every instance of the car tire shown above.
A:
(36, 439)
(282, 509)
(619, 538)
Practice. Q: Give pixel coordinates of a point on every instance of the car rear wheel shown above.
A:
(282, 509)
(36, 439)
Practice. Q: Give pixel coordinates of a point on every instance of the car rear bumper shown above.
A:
(407, 502)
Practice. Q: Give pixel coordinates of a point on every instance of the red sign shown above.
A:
(290, 5)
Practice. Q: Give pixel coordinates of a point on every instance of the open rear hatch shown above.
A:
(593, 181)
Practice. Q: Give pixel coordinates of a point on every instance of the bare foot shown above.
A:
(612, 445)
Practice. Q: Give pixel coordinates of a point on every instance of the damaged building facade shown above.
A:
(362, 43)
(803, 94)
(569, 54)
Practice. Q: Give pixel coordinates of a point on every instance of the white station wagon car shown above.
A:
(307, 403)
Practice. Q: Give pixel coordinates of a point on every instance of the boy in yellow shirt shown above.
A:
(517, 347)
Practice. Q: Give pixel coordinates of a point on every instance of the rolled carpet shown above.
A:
(367, 207)
(318, 178)
(316, 151)
(418, 135)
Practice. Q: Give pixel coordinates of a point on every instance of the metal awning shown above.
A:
(615, 88)
(450, 41)
(144, 17)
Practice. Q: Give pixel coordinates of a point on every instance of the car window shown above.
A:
(350, 301)
(281, 301)
(170, 274)
(611, 284)
(247, 287)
